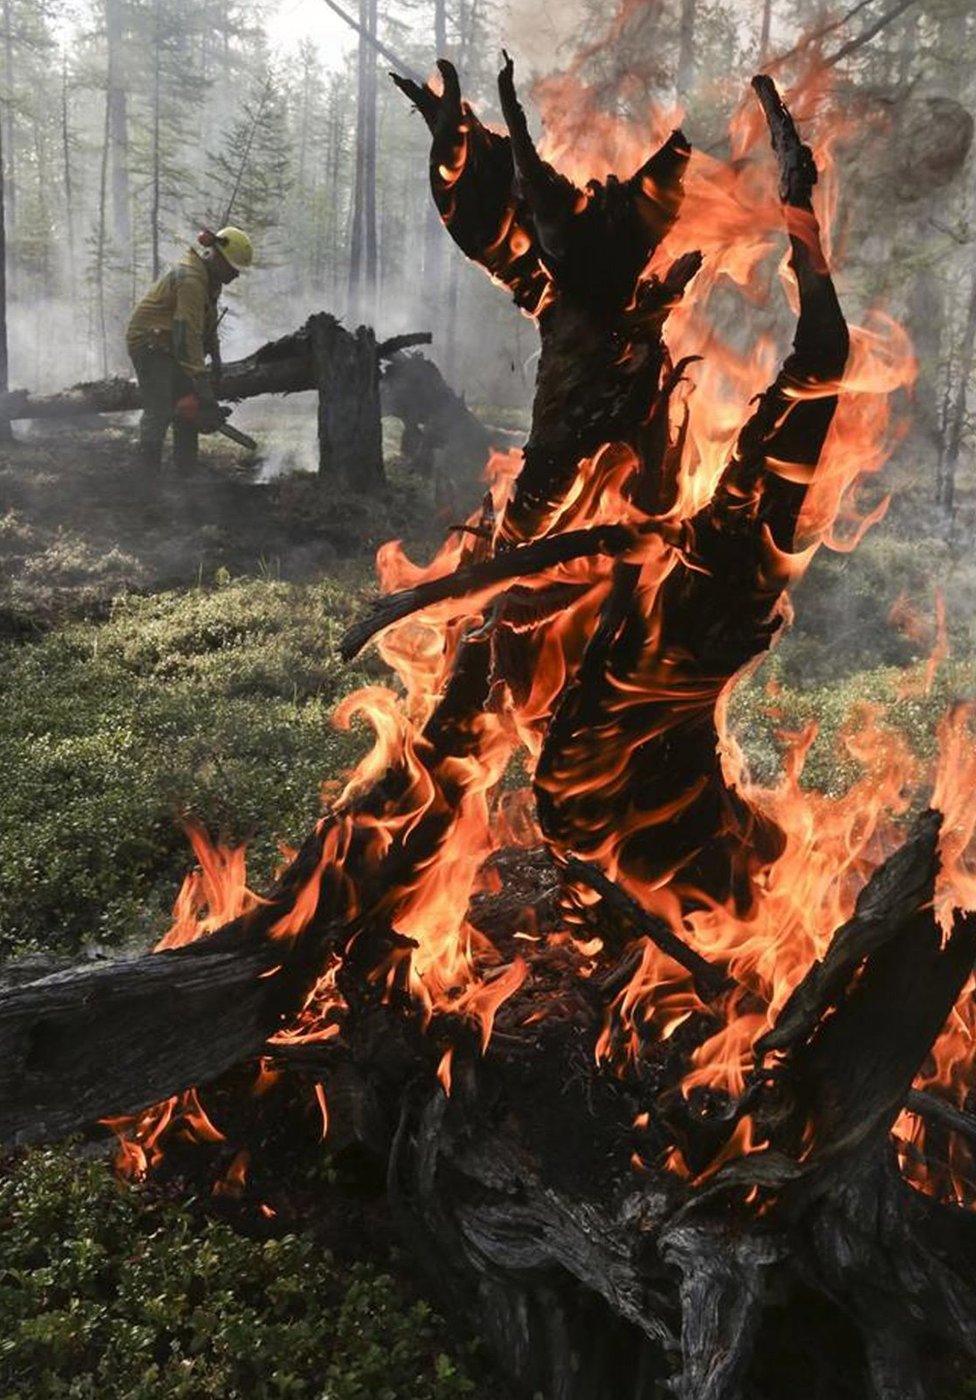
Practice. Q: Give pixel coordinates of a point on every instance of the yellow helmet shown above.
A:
(236, 247)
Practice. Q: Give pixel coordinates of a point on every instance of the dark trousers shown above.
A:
(161, 383)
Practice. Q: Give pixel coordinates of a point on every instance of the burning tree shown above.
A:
(645, 1054)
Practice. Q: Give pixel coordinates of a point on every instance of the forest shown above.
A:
(488, 871)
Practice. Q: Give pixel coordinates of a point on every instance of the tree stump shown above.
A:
(347, 377)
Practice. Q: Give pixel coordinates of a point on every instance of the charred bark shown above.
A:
(442, 439)
(347, 375)
(591, 1273)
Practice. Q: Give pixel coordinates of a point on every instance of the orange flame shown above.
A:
(733, 215)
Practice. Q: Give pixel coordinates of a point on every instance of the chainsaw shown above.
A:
(188, 408)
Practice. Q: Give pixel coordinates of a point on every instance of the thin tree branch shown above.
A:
(377, 43)
(470, 579)
(246, 154)
(866, 35)
(711, 982)
(817, 34)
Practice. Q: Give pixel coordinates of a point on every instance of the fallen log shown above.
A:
(285, 366)
(534, 1240)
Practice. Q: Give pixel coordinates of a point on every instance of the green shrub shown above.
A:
(758, 718)
(844, 603)
(105, 1292)
(214, 702)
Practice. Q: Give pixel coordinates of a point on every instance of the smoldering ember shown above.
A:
(664, 1073)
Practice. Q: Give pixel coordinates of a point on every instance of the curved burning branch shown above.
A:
(474, 580)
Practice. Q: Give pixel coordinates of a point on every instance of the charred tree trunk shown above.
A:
(587, 1278)
(442, 439)
(348, 379)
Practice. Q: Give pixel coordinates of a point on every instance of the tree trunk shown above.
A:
(101, 242)
(118, 124)
(348, 380)
(926, 310)
(335, 166)
(430, 288)
(69, 206)
(361, 302)
(155, 177)
(46, 261)
(9, 117)
(764, 30)
(442, 439)
(370, 251)
(907, 47)
(354, 299)
(957, 420)
(6, 432)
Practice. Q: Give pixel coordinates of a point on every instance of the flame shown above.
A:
(830, 846)
(231, 1185)
(212, 895)
(444, 1069)
(322, 1102)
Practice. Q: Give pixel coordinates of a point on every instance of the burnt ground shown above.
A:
(81, 521)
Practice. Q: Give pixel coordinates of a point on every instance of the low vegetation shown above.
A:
(213, 703)
(216, 703)
(107, 1292)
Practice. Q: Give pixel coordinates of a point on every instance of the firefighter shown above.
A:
(171, 331)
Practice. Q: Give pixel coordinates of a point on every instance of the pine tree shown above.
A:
(248, 178)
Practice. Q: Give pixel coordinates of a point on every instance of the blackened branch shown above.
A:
(710, 982)
(474, 578)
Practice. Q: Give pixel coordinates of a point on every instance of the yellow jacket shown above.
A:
(179, 313)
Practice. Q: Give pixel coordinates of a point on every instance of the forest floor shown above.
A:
(168, 651)
(81, 522)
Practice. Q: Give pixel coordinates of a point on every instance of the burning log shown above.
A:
(609, 1135)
